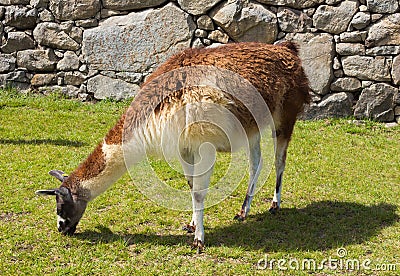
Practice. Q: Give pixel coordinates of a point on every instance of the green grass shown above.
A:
(341, 190)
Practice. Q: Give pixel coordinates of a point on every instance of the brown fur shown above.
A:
(274, 70)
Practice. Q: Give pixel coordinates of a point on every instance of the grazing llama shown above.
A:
(276, 73)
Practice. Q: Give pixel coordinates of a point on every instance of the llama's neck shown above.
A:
(106, 164)
(112, 168)
(102, 167)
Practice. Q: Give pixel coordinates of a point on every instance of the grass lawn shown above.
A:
(341, 194)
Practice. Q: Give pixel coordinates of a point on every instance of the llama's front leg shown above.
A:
(255, 168)
(187, 162)
(198, 214)
(203, 169)
(191, 227)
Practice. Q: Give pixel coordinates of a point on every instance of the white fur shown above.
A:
(115, 168)
(59, 221)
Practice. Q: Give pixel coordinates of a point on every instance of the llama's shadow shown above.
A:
(54, 142)
(319, 226)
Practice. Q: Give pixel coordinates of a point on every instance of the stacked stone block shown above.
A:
(95, 49)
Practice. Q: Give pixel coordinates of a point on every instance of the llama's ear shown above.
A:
(60, 175)
(63, 192)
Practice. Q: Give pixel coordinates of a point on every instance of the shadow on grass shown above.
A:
(319, 226)
(55, 142)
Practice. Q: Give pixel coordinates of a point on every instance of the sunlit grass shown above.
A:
(341, 190)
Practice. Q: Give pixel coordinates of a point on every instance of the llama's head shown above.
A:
(69, 207)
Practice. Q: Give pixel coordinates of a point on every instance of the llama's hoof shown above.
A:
(274, 208)
(240, 216)
(189, 228)
(198, 245)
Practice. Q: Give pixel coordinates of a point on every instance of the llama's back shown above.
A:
(274, 70)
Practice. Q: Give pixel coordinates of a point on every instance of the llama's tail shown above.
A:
(294, 47)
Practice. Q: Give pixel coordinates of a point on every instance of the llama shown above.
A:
(275, 71)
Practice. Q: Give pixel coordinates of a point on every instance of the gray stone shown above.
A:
(376, 102)
(17, 79)
(375, 17)
(69, 62)
(37, 60)
(332, 106)
(14, 2)
(197, 7)
(200, 33)
(334, 19)
(76, 34)
(70, 91)
(218, 36)
(332, 2)
(246, 21)
(346, 84)
(293, 21)
(105, 87)
(55, 36)
(46, 16)
(87, 23)
(383, 50)
(396, 70)
(316, 52)
(298, 4)
(361, 20)
(367, 68)
(197, 43)
(205, 22)
(152, 39)
(207, 42)
(123, 5)
(74, 78)
(349, 49)
(397, 98)
(110, 74)
(392, 124)
(17, 41)
(18, 76)
(397, 110)
(74, 9)
(336, 64)
(44, 79)
(356, 36)
(20, 17)
(338, 73)
(130, 77)
(363, 8)
(385, 32)
(105, 13)
(39, 3)
(7, 63)
(365, 84)
(383, 6)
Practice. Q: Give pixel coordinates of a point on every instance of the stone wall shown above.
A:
(99, 49)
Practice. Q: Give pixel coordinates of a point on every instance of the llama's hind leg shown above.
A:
(280, 163)
(255, 168)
